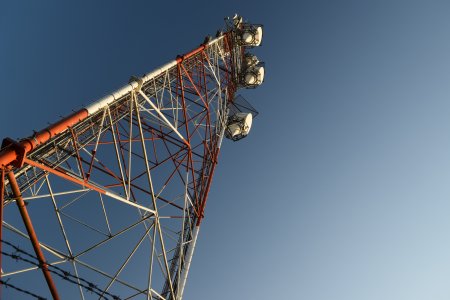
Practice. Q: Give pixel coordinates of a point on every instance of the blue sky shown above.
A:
(340, 191)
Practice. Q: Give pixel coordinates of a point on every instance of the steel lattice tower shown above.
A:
(107, 202)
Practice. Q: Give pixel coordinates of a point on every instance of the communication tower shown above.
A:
(107, 203)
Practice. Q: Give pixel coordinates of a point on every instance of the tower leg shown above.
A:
(32, 234)
(188, 261)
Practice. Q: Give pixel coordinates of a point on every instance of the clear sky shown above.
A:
(340, 192)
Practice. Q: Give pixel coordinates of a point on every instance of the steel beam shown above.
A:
(32, 234)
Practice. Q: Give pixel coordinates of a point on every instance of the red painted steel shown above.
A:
(190, 54)
(11, 154)
(192, 81)
(208, 187)
(63, 175)
(32, 234)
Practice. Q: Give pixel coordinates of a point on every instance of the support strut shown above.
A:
(32, 234)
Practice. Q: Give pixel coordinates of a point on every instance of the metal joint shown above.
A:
(18, 148)
(139, 81)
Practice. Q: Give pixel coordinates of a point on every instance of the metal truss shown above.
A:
(108, 202)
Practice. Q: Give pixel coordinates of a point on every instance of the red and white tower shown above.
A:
(107, 203)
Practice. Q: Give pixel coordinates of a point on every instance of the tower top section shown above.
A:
(249, 73)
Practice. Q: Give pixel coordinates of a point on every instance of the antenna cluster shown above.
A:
(249, 73)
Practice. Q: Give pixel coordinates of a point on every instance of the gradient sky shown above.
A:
(340, 192)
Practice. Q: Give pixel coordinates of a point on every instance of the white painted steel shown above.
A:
(161, 115)
(43, 246)
(103, 102)
(149, 215)
(191, 245)
(222, 134)
(187, 262)
(121, 199)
